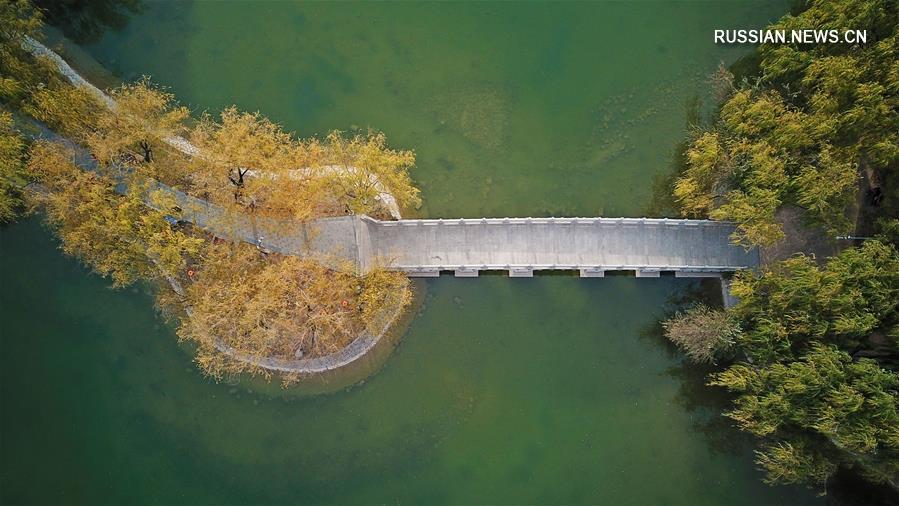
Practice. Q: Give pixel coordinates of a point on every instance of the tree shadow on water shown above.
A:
(705, 404)
(86, 20)
(663, 204)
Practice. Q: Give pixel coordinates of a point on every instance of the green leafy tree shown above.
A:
(707, 165)
(851, 405)
(826, 189)
(796, 302)
(753, 212)
(796, 461)
(786, 63)
(817, 114)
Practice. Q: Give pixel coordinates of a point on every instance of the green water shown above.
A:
(514, 109)
(544, 390)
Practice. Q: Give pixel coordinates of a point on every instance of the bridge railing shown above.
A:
(547, 221)
(568, 267)
(585, 271)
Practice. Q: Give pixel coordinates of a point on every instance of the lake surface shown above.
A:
(544, 390)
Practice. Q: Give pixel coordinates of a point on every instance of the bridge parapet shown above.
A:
(547, 221)
(527, 271)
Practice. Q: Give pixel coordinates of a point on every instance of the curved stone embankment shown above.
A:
(352, 352)
(358, 348)
(317, 365)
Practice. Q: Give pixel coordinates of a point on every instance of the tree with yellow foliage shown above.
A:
(250, 164)
(119, 236)
(68, 110)
(369, 168)
(244, 164)
(19, 73)
(270, 306)
(143, 118)
(12, 170)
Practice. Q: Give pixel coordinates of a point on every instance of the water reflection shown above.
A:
(87, 20)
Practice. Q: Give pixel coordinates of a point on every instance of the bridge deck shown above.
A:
(524, 244)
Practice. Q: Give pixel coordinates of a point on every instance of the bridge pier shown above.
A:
(521, 272)
(646, 273)
(696, 274)
(466, 272)
(728, 298)
(592, 272)
(424, 273)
